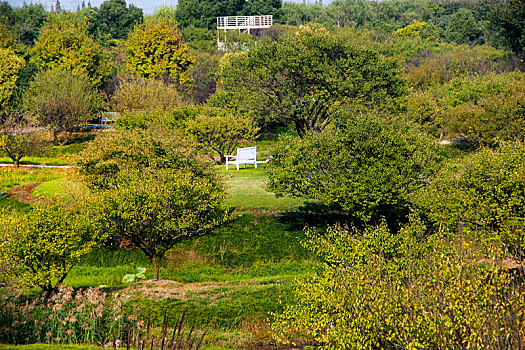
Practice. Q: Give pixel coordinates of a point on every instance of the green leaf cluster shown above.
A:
(64, 42)
(46, 243)
(380, 290)
(481, 196)
(157, 48)
(367, 167)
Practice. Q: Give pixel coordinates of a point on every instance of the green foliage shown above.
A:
(481, 196)
(367, 167)
(46, 243)
(157, 48)
(158, 191)
(464, 29)
(204, 14)
(156, 209)
(64, 42)
(29, 19)
(128, 278)
(222, 133)
(378, 290)
(304, 78)
(486, 109)
(507, 25)
(110, 153)
(114, 19)
(455, 62)
(11, 65)
(137, 94)
(61, 100)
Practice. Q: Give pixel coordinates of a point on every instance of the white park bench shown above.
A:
(246, 155)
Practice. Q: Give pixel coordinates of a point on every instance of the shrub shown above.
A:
(138, 94)
(378, 290)
(46, 243)
(367, 167)
(481, 196)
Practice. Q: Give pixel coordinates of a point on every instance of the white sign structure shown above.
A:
(242, 24)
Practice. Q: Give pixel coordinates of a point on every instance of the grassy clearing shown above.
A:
(247, 192)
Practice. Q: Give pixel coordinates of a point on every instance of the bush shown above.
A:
(481, 196)
(45, 244)
(138, 94)
(367, 167)
(377, 290)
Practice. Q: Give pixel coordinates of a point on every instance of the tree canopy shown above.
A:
(156, 48)
(64, 42)
(306, 77)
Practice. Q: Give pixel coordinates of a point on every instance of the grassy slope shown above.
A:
(250, 261)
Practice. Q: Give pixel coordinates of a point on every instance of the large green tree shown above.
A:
(152, 189)
(366, 167)
(507, 21)
(113, 18)
(64, 42)
(203, 14)
(157, 48)
(305, 77)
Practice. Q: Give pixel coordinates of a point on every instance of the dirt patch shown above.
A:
(161, 289)
(23, 193)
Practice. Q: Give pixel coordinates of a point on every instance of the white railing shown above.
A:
(244, 22)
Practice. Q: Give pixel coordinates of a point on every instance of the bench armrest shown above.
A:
(228, 156)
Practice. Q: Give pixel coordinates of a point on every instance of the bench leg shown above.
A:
(255, 164)
(237, 166)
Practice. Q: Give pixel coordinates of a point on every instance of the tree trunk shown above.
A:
(156, 267)
(17, 162)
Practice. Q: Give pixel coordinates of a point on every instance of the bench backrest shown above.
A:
(246, 154)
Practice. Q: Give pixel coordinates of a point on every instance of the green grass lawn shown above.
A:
(247, 192)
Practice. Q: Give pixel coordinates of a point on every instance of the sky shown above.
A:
(148, 6)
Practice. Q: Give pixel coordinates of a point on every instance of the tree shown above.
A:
(28, 21)
(464, 29)
(221, 133)
(11, 65)
(46, 243)
(156, 208)
(61, 100)
(507, 22)
(304, 78)
(64, 42)
(113, 18)
(18, 139)
(203, 14)
(262, 7)
(157, 48)
(367, 167)
(152, 189)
